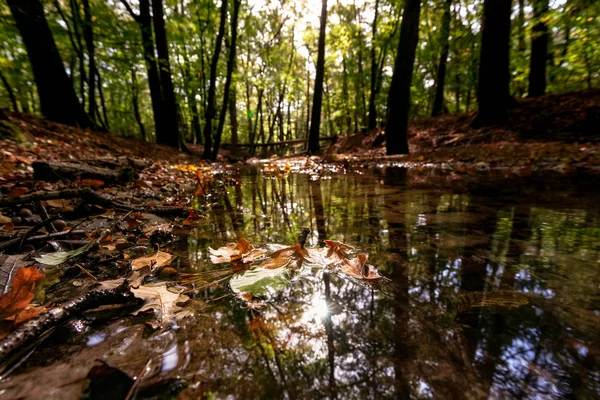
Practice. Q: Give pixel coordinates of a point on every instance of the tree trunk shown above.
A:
(136, 105)
(493, 89)
(57, 97)
(230, 68)
(102, 102)
(88, 35)
(396, 130)
(144, 21)
(11, 94)
(233, 119)
(211, 107)
(438, 103)
(315, 120)
(170, 135)
(521, 27)
(374, 72)
(539, 49)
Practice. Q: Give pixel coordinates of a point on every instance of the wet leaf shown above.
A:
(18, 191)
(285, 258)
(20, 294)
(95, 183)
(157, 260)
(260, 282)
(358, 268)
(166, 304)
(336, 252)
(8, 227)
(61, 204)
(239, 254)
(61, 256)
(4, 220)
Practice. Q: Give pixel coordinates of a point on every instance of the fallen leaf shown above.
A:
(284, 258)
(20, 294)
(358, 268)
(8, 227)
(60, 257)
(157, 260)
(336, 252)
(166, 304)
(4, 219)
(18, 191)
(95, 183)
(239, 254)
(260, 282)
(61, 204)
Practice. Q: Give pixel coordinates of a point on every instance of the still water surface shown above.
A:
(490, 295)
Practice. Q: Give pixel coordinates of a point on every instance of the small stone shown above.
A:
(25, 212)
(59, 225)
(121, 244)
(17, 220)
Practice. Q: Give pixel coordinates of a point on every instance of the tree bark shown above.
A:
(315, 119)
(438, 102)
(539, 49)
(170, 135)
(144, 21)
(396, 130)
(88, 35)
(233, 119)
(57, 97)
(211, 107)
(136, 105)
(374, 72)
(11, 94)
(493, 89)
(228, 79)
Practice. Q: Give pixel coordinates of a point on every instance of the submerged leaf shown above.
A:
(260, 282)
(502, 298)
(61, 256)
(166, 304)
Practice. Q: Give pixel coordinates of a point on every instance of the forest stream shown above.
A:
(467, 294)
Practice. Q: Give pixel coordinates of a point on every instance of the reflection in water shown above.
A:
(489, 296)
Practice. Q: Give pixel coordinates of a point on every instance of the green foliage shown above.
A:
(276, 60)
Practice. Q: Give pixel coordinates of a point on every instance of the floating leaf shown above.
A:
(20, 294)
(358, 268)
(239, 254)
(336, 252)
(285, 258)
(167, 304)
(260, 282)
(61, 256)
(157, 260)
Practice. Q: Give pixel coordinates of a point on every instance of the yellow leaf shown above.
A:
(159, 259)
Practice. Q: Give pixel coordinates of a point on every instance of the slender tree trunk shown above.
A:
(233, 118)
(211, 107)
(88, 35)
(229, 78)
(11, 94)
(136, 105)
(144, 21)
(396, 130)
(493, 89)
(374, 72)
(102, 102)
(438, 103)
(76, 29)
(170, 135)
(57, 97)
(521, 27)
(315, 120)
(539, 49)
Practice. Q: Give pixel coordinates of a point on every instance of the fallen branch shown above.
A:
(92, 197)
(27, 334)
(21, 239)
(49, 171)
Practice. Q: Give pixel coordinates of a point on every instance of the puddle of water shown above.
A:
(489, 296)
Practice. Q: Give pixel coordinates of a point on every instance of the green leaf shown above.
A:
(260, 281)
(61, 256)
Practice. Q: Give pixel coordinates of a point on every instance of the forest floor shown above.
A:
(81, 211)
